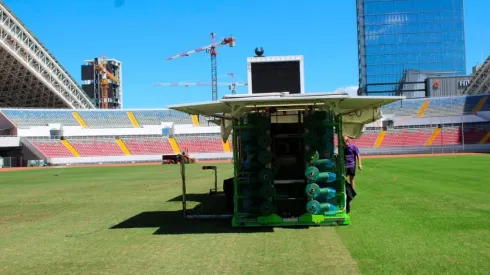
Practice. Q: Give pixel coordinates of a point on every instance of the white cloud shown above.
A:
(350, 90)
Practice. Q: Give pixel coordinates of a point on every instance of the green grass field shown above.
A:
(411, 216)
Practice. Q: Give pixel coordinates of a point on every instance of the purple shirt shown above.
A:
(350, 154)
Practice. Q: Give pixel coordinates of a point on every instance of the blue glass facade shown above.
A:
(399, 37)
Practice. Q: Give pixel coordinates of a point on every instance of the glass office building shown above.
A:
(402, 42)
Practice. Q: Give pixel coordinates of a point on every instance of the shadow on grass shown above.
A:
(173, 222)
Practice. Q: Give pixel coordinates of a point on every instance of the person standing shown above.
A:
(351, 156)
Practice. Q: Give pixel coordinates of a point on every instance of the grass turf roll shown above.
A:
(265, 175)
(267, 208)
(314, 191)
(314, 175)
(317, 208)
(267, 191)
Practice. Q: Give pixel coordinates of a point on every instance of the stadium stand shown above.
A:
(138, 135)
(475, 134)
(449, 136)
(92, 147)
(96, 118)
(210, 143)
(51, 148)
(148, 145)
(436, 107)
(205, 121)
(156, 117)
(421, 136)
(367, 140)
(407, 137)
(29, 118)
(106, 119)
(404, 107)
(445, 106)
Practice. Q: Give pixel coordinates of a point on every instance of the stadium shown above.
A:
(66, 137)
(118, 210)
(75, 132)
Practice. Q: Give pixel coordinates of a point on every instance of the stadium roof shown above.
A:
(356, 111)
(30, 76)
(480, 81)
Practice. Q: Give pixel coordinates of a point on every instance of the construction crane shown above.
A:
(211, 49)
(231, 85)
(106, 75)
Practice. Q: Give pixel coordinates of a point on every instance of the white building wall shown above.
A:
(9, 141)
(79, 131)
(41, 131)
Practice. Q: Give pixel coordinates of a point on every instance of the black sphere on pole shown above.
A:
(259, 52)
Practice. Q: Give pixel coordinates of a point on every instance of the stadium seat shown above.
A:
(156, 117)
(413, 136)
(445, 106)
(449, 136)
(407, 137)
(148, 145)
(470, 103)
(29, 118)
(106, 119)
(442, 106)
(205, 143)
(486, 105)
(408, 107)
(473, 134)
(51, 148)
(367, 140)
(203, 121)
(96, 147)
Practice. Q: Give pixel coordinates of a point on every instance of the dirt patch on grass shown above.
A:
(224, 161)
(103, 165)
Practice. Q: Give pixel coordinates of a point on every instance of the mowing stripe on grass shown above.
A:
(317, 250)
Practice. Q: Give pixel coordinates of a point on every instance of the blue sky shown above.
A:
(142, 33)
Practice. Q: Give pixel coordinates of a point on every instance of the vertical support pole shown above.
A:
(341, 158)
(442, 137)
(182, 173)
(236, 163)
(214, 77)
(96, 84)
(216, 180)
(462, 131)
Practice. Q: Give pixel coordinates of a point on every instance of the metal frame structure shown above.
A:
(215, 169)
(97, 81)
(184, 194)
(249, 220)
(349, 115)
(30, 74)
(211, 49)
(231, 85)
(480, 82)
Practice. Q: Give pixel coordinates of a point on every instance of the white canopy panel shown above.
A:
(355, 111)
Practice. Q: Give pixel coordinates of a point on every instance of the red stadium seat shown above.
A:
(148, 145)
(93, 147)
(210, 143)
(51, 148)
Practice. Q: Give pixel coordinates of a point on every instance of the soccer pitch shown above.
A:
(411, 216)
